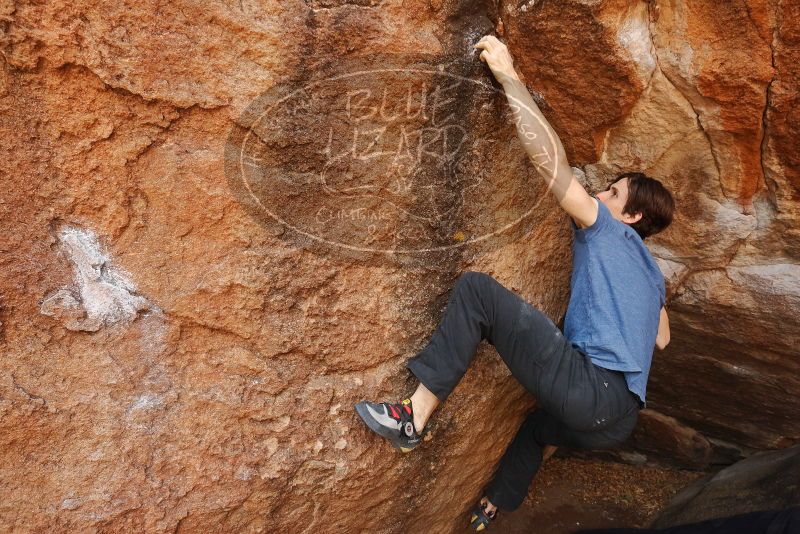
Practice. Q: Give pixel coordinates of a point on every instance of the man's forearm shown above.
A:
(537, 136)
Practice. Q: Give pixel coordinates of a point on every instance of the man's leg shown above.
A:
(424, 402)
(479, 308)
(523, 457)
(530, 344)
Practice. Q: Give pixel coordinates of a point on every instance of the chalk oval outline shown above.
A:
(354, 248)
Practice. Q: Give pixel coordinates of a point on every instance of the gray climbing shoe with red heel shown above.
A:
(395, 422)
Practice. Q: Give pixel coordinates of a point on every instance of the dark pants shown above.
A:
(579, 404)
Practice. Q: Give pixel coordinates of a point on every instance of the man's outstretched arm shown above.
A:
(662, 338)
(537, 136)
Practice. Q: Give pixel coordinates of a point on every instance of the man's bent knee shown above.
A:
(473, 278)
(470, 276)
(467, 279)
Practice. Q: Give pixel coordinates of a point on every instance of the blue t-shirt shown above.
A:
(617, 291)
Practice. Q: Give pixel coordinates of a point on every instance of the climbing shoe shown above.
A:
(395, 422)
(480, 518)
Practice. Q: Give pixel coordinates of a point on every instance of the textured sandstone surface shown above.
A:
(174, 359)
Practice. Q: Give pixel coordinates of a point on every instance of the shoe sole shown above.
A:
(382, 431)
(480, 527)
(484, 523)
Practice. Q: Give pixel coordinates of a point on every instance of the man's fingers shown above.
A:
(484, 42)
(493, 42)
(484, 55)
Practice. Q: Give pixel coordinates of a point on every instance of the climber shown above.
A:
(590, 381)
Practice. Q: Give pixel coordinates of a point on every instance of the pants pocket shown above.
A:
(598, 404)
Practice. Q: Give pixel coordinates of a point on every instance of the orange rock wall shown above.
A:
(173, 360)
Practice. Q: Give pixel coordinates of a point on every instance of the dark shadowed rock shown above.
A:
(768, 480)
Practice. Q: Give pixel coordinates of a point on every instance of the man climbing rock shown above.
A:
(590, 381)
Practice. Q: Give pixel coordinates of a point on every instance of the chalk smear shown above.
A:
(104, 294)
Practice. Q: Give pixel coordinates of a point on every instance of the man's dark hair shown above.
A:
(650, 197)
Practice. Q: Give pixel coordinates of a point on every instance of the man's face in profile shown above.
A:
(615, 198)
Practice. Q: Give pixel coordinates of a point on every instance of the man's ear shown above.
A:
(632, 219)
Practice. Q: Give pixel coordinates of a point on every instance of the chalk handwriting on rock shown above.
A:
(388, 160)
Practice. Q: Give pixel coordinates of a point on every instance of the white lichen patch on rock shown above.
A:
(105, 294)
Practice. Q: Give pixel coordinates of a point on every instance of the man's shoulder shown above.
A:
(578, 226)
